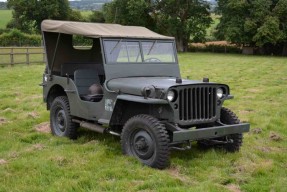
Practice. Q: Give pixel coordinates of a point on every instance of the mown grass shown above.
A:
(36, 161)
(5, 17)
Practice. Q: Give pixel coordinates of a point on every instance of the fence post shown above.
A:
(12, 56)
(27, 56)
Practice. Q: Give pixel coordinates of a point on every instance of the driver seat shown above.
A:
(84, 79)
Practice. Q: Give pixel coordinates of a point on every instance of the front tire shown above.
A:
(228, 117)
(146, 138)
(234, 141)
(61, 119)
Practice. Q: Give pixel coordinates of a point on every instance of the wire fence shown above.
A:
(22, 55)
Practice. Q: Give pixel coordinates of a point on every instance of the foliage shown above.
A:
(215, 48)
(129, 12)
(35, 161)
(97, 17)
(210, 32)
(183, 19)
(260, 23)
(79, 40)
(17, 38)
(28, 15)
(75, 15)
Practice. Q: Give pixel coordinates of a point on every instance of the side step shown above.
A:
(94, 127)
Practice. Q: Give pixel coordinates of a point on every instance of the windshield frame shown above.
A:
(140, 41)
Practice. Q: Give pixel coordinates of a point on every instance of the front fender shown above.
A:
(127, 106)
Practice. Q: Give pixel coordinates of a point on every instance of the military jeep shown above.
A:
(144, 99)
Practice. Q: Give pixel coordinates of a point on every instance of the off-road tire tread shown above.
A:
(229, 117)
(72, 127)
(162, 160)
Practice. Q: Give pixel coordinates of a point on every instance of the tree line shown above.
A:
(186, 20)
(254, 23)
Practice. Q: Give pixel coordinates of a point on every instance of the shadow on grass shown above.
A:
(85, 136)
(197, 153)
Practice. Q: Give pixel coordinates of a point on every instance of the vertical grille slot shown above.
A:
(198, 103)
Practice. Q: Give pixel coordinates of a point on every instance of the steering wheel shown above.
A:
(152, 59)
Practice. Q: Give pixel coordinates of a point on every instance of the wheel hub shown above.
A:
(142, 144)
(61, 120)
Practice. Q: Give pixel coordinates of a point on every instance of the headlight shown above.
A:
(171, 96)
(219, 93)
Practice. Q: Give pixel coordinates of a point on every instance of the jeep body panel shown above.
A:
(124, 85)
(78, 107)
(196, 99)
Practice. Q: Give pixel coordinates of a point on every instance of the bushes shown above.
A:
(214, 47)
(17, 38)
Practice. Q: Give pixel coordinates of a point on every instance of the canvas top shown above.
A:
(96, 30)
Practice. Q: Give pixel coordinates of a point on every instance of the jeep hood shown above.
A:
(135, 85)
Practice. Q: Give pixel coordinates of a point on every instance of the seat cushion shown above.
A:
(84, 78)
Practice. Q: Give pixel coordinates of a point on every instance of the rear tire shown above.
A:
(61, 119)
(146, 138)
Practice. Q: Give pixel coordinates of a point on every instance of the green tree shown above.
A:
(129, 12)
(183, 19)
(75, 15)
(260, 23)
(97, 17)
(186, 20)
(28, 14)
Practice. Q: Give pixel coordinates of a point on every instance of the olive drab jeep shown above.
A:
(128, 84)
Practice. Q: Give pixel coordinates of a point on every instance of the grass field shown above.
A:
(86, 14)
(35, 161)
(5, 17)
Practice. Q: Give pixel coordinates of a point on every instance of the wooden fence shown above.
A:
(22, 55)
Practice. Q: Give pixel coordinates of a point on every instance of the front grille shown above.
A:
(198, 103)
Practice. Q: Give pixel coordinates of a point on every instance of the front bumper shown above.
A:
(208, 133)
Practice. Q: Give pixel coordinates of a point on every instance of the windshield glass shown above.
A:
(124, 51)
(158, 52)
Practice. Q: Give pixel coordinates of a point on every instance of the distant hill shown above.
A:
(3, 5)
(88, 4)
